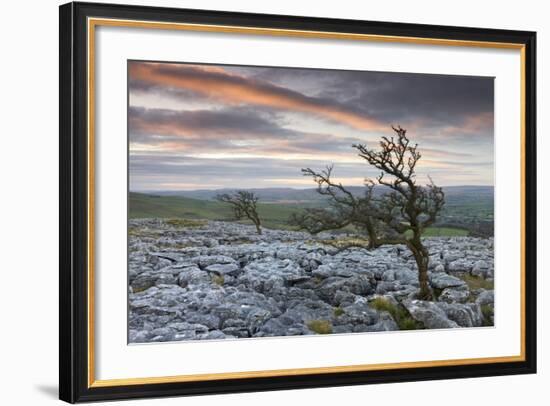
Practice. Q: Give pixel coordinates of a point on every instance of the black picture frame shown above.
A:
(74, 385)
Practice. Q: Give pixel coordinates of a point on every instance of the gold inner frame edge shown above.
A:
(92, 23)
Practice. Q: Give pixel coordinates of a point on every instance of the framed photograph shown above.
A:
(257, 202)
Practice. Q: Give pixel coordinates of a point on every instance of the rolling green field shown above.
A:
(274, 215)
(142, 205)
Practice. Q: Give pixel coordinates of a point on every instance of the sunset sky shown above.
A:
(214, 126)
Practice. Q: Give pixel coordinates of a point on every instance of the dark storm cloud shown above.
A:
(396, 97)
(427, 99)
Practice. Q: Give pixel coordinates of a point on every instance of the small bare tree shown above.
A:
(244, 205)
(399, 216)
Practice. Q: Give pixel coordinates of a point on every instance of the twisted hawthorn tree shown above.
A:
(244, 205)
(397, 216)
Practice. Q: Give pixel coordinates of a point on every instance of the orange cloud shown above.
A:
(479, 122)
(235, 89)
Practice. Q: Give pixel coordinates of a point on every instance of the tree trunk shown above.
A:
(258, 228)
(422, 258)
(371, 232)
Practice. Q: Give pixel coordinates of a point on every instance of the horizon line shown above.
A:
(273, 188)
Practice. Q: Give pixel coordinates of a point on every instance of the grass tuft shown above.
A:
(317, 280)
(185, 223)
(140, 289)
(399, 314)
(408, 323)
(382, 304)
(218, 280)
(488, 312)
(476, 282)
(338, 311)
(320, 326)
(347, 242)
(142, 233)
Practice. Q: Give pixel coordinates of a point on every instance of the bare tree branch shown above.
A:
(244, 205)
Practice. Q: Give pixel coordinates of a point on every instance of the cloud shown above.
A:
(238, 131)
(240, 123)
(158, 171)
(393, 97)
(205, 126)
(239, 90)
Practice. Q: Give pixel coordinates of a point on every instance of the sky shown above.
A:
(195, 126)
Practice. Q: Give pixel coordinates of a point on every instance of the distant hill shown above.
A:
(287, 195)
(290, 195)
(465, 205)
